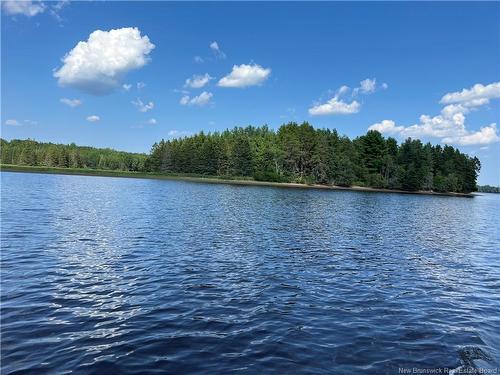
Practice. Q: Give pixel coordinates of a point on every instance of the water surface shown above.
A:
(117, 275)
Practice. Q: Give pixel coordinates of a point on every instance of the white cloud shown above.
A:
(198, 59)
(367, 86)
(56, 8)
(342, 90)
(152, 121)
(143, 107)
(485, 136)
(214, 46)
(60, 4)
(200, 100)
(12, 122)
(198, 81)
(335, 106)
(140, 85)
(98, 65)
(387, 127)
(30, 8)
(127, 86)
(25, 8)
(93, 118)
(449, 126)
(446, 124)
(71, 102)
(245, 75)
(475, 96)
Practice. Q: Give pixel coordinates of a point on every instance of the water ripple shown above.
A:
(108, 275)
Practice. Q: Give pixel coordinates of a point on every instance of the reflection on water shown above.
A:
(110, 275)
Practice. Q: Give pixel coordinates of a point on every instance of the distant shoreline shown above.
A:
(210, 179)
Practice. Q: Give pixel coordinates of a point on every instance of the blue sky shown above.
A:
(271, 63)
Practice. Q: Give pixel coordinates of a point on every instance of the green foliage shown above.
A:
(489, 189)
(294, 153)
(29, 152)
(268, 176)
(300, 153)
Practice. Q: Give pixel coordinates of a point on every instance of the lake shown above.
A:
(116, 275)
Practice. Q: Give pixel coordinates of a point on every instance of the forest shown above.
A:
(489, 189)
(29, 152)
(294, 153)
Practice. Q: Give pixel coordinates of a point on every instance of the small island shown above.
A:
(296, 155)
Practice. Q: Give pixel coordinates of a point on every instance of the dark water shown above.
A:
(108, 275)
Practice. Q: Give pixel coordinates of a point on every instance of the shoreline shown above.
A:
(213, 180)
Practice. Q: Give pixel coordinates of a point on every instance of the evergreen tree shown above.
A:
(294, 153)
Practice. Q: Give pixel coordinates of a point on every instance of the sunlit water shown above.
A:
(113, 275)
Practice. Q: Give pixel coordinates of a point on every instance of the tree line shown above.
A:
(32, 153)
(300, 153)
(294, 153)
(489, 189)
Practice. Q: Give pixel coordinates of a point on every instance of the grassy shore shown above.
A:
(207, 179)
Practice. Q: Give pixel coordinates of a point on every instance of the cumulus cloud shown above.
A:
(25, 8)
(338, 106)
(98, 65)
(335, 106)
(214, 46)
(449, 126)
(152, 121)
(93, 118)
(387, 127)
(143, 107)
(12, 122)
(71, 102)
(198, 81)
(140, 85)
(127, 86)
(245, 75)
(203, 99)
(475, 96)
(198, 59)
(486, 135)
